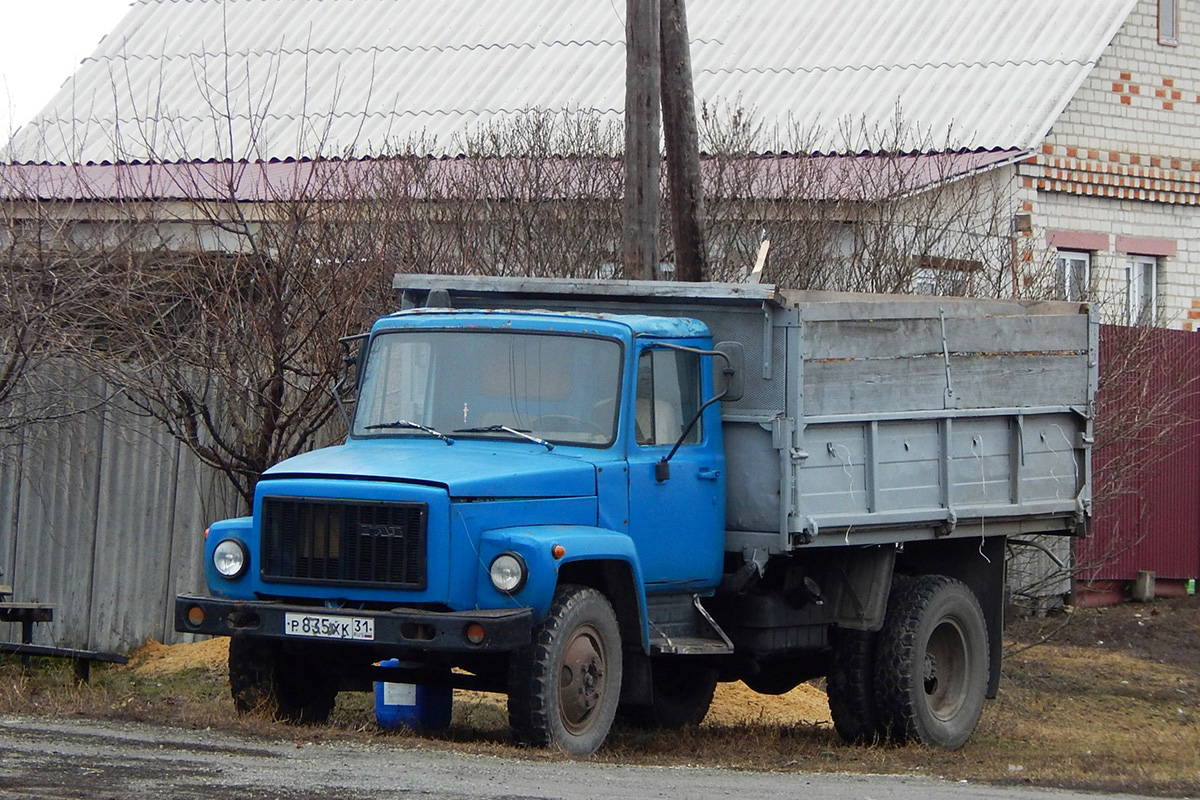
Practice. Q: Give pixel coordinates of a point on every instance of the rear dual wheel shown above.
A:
(923, 677)
(851, 686)
(931, 663)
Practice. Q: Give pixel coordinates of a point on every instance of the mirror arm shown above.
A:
(337, 399)
(662, 469)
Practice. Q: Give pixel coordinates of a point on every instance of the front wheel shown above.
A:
(931, 663)
(564, 687)
(683, 692)
(266, 678)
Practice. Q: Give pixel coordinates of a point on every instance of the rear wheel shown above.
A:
(564, 687)
(292, 686)
(931, 663)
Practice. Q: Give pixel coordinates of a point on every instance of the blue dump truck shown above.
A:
(603, 497)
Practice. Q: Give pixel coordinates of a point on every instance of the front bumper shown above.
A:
(444, 631)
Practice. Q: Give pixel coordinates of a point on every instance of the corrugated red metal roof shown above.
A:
(847, 178)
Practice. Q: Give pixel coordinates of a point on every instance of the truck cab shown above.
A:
(502, 471)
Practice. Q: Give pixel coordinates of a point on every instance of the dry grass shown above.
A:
(1112, 702)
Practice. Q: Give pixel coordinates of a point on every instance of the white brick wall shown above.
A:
(1143, 98)
(1139, 109)
(1179, 275)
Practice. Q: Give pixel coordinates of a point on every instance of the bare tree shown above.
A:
(44, 274)
(883, 221)
(234, 350)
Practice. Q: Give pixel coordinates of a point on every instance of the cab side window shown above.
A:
(668, 394)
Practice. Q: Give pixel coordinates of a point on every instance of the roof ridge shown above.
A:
(911, 65)
(122, 56)
(396, 112)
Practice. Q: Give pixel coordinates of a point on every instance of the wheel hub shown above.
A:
(945, 670)
(581, 679)
(931, 680)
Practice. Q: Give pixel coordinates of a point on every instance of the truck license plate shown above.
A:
(327, 627)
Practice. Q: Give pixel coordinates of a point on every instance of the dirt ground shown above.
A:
(1166, 631)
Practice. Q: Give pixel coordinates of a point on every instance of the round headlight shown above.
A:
(508, 573)
(230, 558)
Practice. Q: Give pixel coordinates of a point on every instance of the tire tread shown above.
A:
(531, 679)
(895, 657)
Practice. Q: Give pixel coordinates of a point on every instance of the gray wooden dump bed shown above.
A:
(872, 418)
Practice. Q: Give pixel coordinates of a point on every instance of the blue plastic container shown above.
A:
(421, 708)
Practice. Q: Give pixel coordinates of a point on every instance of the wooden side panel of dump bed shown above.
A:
(927, 417)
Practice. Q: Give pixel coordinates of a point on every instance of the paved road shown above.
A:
(49, 760)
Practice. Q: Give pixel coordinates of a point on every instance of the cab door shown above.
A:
(676, 513)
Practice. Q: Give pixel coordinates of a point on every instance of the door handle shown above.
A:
(706, 474)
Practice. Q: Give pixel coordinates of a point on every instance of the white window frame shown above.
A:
(951, 277)
(1073, 275)
(925, 281)
(1141, 290)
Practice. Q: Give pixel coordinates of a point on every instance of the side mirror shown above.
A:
(345, 390)
(729, 372)
(354, 356)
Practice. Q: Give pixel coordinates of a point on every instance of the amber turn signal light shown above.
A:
(195, 616)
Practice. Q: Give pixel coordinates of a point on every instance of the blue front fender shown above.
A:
(582, 545)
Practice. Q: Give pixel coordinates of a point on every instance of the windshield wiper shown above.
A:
(506, 429)
(403, 423)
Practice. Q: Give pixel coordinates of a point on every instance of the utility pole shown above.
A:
(683, 144)
(639, 246)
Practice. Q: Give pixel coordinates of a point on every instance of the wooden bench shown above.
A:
(29, 614)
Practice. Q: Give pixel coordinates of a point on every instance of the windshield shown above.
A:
(491, 384)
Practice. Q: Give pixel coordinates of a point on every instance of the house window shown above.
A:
(1141, 290)
(1073, 275)
(1168, 22)
(952, 277)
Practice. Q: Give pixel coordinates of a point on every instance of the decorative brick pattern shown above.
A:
(1125, 176)
(1122, 106)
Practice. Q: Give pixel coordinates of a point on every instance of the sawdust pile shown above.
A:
(155, 658)
(734, 703)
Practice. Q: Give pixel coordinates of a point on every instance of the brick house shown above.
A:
(1081, 115)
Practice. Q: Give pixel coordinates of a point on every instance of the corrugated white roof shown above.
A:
(263, 79)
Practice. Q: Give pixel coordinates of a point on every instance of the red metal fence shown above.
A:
(1147, 462)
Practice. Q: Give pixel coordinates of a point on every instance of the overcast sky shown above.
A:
(41, 45)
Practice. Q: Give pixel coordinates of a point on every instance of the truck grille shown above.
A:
(344, 543)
